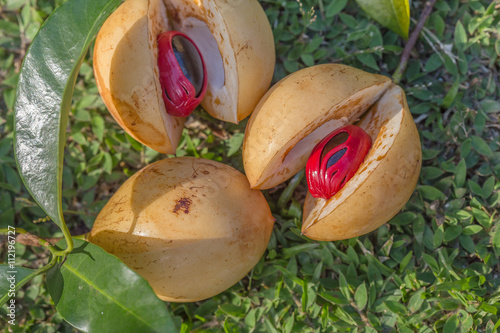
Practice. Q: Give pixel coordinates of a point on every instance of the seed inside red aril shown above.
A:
(183, 76)
(335, 160)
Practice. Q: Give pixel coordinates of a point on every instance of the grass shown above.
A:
(433, 267)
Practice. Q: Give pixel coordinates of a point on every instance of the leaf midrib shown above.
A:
(83, 278)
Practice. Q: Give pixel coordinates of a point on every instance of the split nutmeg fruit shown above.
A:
(303, 108)
(191, 227)
(236, 60)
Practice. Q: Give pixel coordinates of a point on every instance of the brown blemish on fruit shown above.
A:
(183, 204)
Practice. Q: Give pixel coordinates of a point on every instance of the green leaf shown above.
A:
(234, 144)
(98, 127)
(368, 59)
(481, 217)
(475, 188)
(335, 7)
(335, 299)
(433, 63)
(431, 262)
(10, 278)
(293, 251)
(490, 105)
(94, 291)
(481, 146)
(431, 172)
(396, 307)
(232, 310)
(460, 36)
(307, 59)
(460, 173)
(471, 230)
(451, 325)
(392, 14)
(361, 296)
(495, 239)
(488, 187)
(451, 94)
(466, 147)
(288, 325)
(416, 300)
(463, 284)
(431, 193)
(44, 94)
(452, 232)
(467, 243)
(344, 286)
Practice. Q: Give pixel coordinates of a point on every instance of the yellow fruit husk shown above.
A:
(191, 227)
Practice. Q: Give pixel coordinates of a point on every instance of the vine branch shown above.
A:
(405, 56)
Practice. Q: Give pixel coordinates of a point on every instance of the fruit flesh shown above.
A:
(191, 227)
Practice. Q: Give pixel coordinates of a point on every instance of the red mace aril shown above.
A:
(335, 160)
(183, 76)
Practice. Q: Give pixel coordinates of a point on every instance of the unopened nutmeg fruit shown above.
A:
(191, 227)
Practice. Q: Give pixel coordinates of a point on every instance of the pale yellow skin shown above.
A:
(126, 73)
(297, 112)
(384, 181)
(125, 62)
(191, 227)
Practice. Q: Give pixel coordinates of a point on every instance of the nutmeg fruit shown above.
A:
(301, 109)
(191, 227)
(233, 37)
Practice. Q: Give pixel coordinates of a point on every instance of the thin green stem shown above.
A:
(82, 236)
(16, 230)
(28, 278)
(69, 242)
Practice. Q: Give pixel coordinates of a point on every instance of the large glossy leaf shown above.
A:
(44, 92)
(392, 14)
(95, 292)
